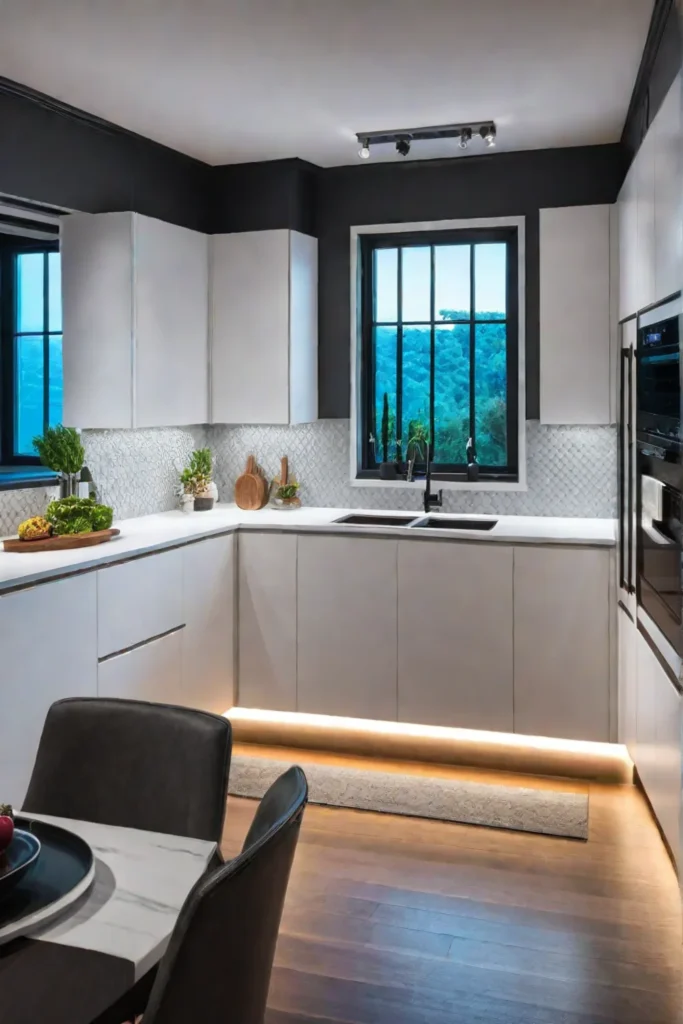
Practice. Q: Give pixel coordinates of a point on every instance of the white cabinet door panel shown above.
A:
(250, 327)
(628, 246)
(455, 634)
(97, 306)
(347, 627)
(48, 640)
(628, 681)
(658, 751)
(561, 655)
(138, 600)
(149, 672)
(668, 175)
(267, 621)
(644, 166)
(575, 314)
(208, 648)
(171, 312)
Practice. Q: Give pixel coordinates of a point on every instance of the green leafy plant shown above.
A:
(196, 477)
(418, 440)
(288, 491)
(60, 449)
(78, 515)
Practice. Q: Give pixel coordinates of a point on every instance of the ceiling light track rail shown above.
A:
(404, 137)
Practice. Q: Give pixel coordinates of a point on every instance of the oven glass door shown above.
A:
(660, 536)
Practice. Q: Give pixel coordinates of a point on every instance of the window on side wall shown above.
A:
(30, 345)
(439, 339)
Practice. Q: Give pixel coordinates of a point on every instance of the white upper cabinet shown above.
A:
(135, 301)
(668, 171)
(628, 246)
(650, 224)
(264, 327)
(575, 314)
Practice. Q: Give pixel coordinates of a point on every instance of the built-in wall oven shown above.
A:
(659, 471)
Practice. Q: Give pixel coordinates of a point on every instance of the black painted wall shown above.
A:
(660, 63)
(51, 153)
(264, 196)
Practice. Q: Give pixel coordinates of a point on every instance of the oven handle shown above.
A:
(626, 489)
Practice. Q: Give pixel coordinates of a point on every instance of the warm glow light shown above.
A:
(480, 737)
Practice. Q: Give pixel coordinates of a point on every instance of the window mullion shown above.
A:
(399, 356)
(432, 342)
(472, 349)
(46, 345)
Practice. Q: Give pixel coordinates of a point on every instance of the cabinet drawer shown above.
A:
(152, 671)
(138, 600)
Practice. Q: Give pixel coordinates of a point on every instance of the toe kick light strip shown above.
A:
(402, 730)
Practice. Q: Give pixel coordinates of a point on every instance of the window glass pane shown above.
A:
(490, 279)
(490, 380)
(452, 282)
(30, 292)
(451, 392)
(416, 283)
(415, 400)
(385, 380)
(56, 380)
(386, 285)
(54, 292)
(29, 394)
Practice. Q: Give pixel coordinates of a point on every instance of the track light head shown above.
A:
(488, 134)
(465, 138)
(364, 151)
(403, 146)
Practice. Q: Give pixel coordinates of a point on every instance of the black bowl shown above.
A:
(19, 856)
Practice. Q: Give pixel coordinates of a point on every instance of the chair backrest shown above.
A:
(218, 963)
(134, 764)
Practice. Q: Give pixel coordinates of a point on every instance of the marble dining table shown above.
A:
(74, 968)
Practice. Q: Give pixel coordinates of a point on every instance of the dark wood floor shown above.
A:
(395, 920)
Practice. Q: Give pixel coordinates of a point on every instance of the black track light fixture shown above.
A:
(488, 134)
(403, 138)
(465, 137)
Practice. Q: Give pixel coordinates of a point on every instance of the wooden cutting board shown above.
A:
(62, 543)
(250, 488)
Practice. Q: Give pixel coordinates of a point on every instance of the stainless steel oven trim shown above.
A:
(665, 312)
(666, 650)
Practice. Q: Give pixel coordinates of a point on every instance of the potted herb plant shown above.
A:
(61, 450)
(196, 480)
(387, 469)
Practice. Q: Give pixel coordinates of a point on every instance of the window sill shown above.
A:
(438, 484)
(15, 478)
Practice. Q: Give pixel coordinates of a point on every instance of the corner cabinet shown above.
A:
(264, 327)
(135, 308)
(575, 315)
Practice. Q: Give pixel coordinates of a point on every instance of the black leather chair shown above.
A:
(135, 764)
(218, 963)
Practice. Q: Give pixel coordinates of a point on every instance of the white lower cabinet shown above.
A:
(561, 647)
(455, 634)
(347, 626)
(138, 599)
(267, 621)
(151, 671)
(48, 640)
(208, 639)
(627, 634)
(658, 741)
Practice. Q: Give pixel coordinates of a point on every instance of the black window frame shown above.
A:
(367, 465)
(12, 246)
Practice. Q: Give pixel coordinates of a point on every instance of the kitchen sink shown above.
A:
(359, 519)
(435, 523)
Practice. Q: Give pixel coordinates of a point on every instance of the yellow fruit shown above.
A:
(35, 528)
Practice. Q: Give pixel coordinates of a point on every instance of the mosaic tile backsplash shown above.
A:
(571, 471)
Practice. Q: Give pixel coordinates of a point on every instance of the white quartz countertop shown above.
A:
(168, 529)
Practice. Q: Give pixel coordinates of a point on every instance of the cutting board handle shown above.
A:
(284, 471)
(251, 465)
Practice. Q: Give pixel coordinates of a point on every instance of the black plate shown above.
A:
(65, 860)
(19, 856)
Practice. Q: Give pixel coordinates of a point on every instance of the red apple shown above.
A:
(6, 831)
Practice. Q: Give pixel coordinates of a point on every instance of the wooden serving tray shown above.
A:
(63, 543)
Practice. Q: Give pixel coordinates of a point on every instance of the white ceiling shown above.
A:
(235, 80)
